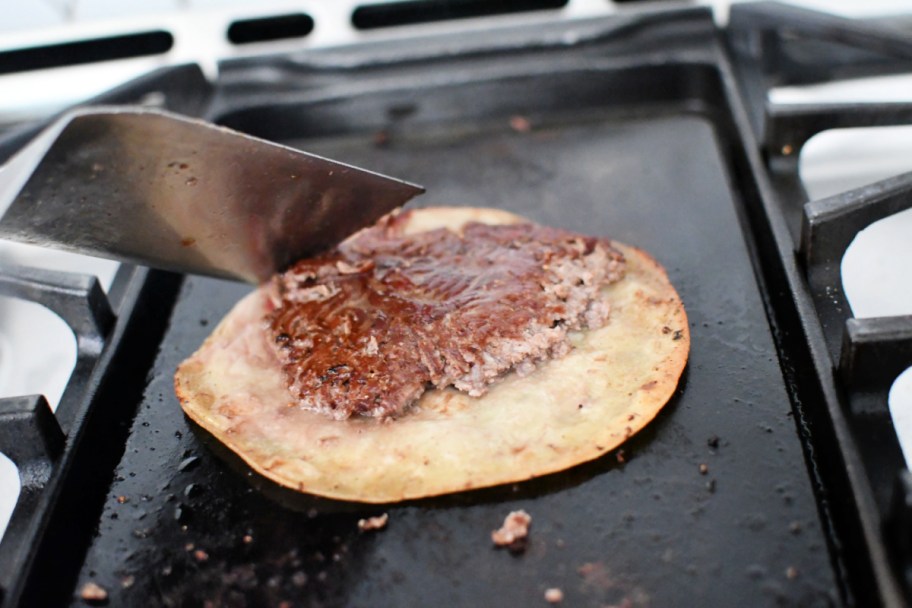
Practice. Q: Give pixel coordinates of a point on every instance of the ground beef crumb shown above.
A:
(554, 595)
(373, 523)
(520, 124)
(93, 592)
(514, 529)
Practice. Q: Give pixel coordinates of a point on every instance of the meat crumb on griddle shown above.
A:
(373, 523)
(554, 595)
(366, 328)
(93, 593)
(514, 530)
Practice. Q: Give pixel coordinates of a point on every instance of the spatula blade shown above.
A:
(158, 189)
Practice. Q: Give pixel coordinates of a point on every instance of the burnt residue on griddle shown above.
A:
(219, 547)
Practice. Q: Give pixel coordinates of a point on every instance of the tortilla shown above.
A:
(568, 411)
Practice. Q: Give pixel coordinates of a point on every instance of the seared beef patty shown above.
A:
(366, 328)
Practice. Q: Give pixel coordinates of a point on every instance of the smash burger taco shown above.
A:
(440, 350)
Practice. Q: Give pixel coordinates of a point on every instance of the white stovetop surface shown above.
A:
(875, 268)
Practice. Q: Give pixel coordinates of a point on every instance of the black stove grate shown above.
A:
(843, 367)
(30, 434)
(65, 457)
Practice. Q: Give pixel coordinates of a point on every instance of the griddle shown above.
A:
(638, 130)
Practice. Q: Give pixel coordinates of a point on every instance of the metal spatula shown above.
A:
(157, 189)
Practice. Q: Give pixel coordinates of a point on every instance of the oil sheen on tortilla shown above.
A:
(569, 410)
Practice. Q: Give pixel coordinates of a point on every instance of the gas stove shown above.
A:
(797, 367)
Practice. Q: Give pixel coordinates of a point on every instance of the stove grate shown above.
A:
(843, 368)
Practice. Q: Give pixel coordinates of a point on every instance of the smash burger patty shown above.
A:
(366, 328)
(613, 350)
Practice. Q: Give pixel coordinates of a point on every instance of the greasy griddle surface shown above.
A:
(653, 529)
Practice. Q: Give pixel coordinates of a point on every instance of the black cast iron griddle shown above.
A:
(632, 137)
